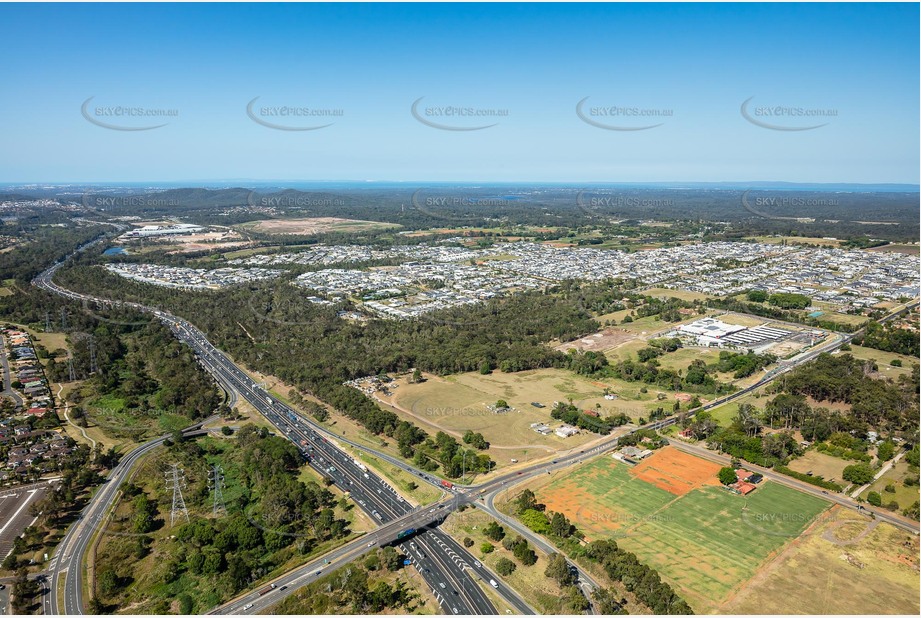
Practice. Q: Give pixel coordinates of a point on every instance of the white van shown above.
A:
(493, 583)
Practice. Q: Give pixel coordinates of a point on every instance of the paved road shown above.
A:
(587, 583)
(7, 376)
(382, 502)
(67, 564)
(371, 494)
(231, 375)
(843, 500)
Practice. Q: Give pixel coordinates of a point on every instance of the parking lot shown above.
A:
(14, 512)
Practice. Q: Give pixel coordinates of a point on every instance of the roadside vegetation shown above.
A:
(270, 521)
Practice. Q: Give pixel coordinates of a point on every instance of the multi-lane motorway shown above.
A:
(443, 563)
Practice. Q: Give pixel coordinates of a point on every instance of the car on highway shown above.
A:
(442, 585)
(247, 606)
(371, 543)
(478, 564)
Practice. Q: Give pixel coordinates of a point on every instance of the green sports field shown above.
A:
(707, 541)
(711, 541)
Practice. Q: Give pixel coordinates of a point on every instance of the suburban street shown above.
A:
(7, 376)
(444, 564)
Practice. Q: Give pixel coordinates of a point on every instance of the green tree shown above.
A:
(859, 474)
(575, 600)
(561, 526)
(727, 476)
(391, 559)
(535, 520)
(874, 498)
(524, 553)
(526, 500)
(559, 571)
(494, 531)
(108, 582)
(487, 548)
(505, 567)
(885, 451)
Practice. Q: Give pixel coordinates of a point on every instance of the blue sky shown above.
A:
(855, 63)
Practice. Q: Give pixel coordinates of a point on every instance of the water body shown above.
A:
(115, 251)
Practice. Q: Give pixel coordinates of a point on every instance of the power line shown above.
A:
(216, 484)
(175, 479)
(93, 366)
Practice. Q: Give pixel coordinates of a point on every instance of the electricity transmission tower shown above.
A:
(216, 484)
(47, 322)
(70, 369)
(63, 318)
(175, 479)
(93, 366)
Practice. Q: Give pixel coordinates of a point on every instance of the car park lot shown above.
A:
(14, 512)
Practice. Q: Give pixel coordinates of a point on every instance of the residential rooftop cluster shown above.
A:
(410, 290)
(437, 276)
(846, 279)
(190, 278)
(28, 453)
(326, 255)
(27, 378)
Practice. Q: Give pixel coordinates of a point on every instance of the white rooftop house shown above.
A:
(564, 431)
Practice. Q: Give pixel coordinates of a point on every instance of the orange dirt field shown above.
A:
(676, 472)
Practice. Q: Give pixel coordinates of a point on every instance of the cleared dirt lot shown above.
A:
(820, 464)
(676, 471)
(316, 225)
(599, 342)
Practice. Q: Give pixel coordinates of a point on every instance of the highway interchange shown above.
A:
(445, 565)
